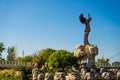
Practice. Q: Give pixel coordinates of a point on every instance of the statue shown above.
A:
(87, 27)
(86, 53)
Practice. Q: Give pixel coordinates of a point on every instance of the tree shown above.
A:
(11, 53)
(2, 48)
(27, 59)
(35, 58)
(19, 59)
(102, 61)
(43, 56)
(61, 59)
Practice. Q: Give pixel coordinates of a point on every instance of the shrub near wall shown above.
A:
(10, 74)
(10, 77)
(24, 69)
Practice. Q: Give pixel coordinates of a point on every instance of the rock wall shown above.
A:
(86, 54)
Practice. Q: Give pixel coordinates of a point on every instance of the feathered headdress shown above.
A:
(82, 19)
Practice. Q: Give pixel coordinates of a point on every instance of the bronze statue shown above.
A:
(87, 27)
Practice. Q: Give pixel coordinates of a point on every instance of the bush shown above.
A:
(19, 68)
(10, 77)
(25, 69)
(46, 70)
(7, 71)
(11, 74)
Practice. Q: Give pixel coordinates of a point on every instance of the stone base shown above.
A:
(86, 54)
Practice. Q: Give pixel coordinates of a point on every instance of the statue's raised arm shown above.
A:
(87, 27)
(89, 18)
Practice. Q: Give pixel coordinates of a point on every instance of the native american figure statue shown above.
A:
(87, 27)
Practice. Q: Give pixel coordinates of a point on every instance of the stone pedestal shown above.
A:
(73, 76)
(86, 54)
(35, 72)
(49, 76)
(41, 76)
(59, 76)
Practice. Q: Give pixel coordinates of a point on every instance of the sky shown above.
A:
(32, 25)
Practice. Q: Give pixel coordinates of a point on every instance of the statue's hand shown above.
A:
(89, 18)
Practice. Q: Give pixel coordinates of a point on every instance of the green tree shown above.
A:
(2, 48)
(35, 58)
(11, 53)
(61, 59)
(19, 59)
(43, 56)
(27, 59)
(102, 61)
(24, 59)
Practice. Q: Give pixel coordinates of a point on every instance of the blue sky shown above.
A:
(32, 25)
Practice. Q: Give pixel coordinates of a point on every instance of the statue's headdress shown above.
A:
(82, 19)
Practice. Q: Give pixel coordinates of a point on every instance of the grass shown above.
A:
(10, 74)
(10, 77)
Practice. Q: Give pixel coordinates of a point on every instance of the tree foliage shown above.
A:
(24, 59)
(2, 48)
(11, 53)
(27, 59)
(61, 59)
(43, 56)
(102, 61)
(35, 58)
(19, 59)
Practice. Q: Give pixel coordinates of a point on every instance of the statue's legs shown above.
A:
(86, 38)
